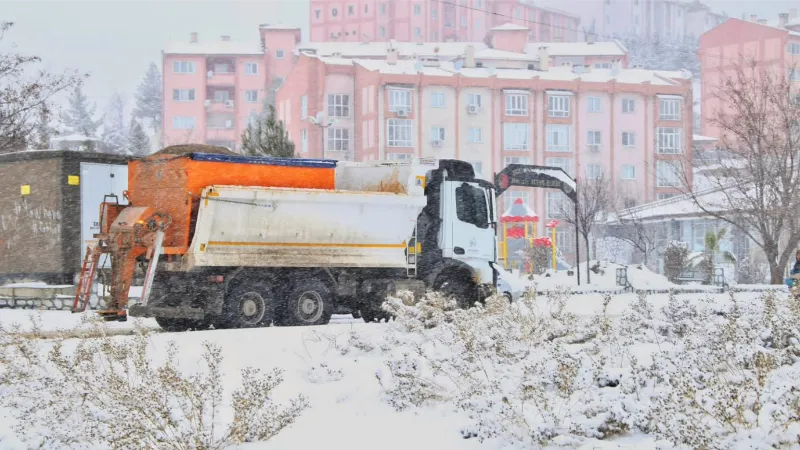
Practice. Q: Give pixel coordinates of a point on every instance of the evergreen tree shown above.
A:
(43, 132)
(115, 138)
(79, 118)
(267, 137)
(139, 143)
(148, 97)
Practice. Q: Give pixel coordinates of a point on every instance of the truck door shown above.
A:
(468, 221)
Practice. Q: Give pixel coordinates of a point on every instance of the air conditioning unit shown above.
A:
(594, 148)
(207, 103)
(402, 113)
(473, 109)
(228, 124)
(437, 142)
(229, 103)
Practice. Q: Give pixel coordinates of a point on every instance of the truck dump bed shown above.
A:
(172, 184)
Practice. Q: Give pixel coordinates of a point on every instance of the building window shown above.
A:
(594, 105)
(515, 136)
(437, 134)
(351, 10)
(222, 68)
(183, 123)
(478, 24)
(417, 31)
(594, 140)
(382, 31)
(434, 13)
(463, 21)
(516, 104)
(366, 9)
(664, 196)
(669, 140)
(558, 106)
(183, 95)
(251, 96)
(437, 99)
(399, 99)
(562, 163)
(417, 9)
(474, 135)
(628, 139)
(435, 36)
(514, 160)
(334, 12)
(474, 100)
(557, 205)
(183, 67)
(383, 9)
(250, 68)
(304, 107)
(794, 48)
(628, 105)
(399, 156)
(338, 105)
(399, 133)
(303, 141)
(594, 171)
(628, 172)
(669, 109)
(602, 65)
(338, 139)
(667, 174)
(279, 54)
(558, 138)
(221, 96)
(317, 13)
(518, 13)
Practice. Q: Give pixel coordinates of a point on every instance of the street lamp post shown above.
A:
(320, 121)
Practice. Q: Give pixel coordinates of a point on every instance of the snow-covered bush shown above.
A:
(691, 372)
(105, 391)
(676, 260)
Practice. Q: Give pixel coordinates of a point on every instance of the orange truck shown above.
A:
(238, 241)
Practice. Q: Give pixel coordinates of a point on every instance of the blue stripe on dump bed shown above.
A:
(266, 160)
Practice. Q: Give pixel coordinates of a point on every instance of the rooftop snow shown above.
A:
(214, 48)
(493, 53)
(508, 26)
(606, 48)
(404, 67)
(381, 49)
(277, 26)
(681, 205)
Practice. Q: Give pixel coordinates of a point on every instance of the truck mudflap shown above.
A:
(169, 312)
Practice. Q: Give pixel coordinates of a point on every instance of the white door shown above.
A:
(98, 180)
(471, 235)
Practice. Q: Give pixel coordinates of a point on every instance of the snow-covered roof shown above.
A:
(277, 26)
(404, 67)
(381, 49)
(493, 53)
(605, 48)
(218, 47)
(508, 26)
(775, 24)
(680, 206)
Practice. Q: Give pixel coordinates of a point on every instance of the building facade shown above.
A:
(774, 44)
(213, 88)
(633, 126)
(435, 21)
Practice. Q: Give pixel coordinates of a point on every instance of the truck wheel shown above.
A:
(248, 305)
(308, 303)
(460, 286)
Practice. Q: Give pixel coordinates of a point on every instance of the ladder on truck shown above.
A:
(411, 254)
(88, 273)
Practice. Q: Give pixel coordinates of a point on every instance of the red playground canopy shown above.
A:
(519, 212)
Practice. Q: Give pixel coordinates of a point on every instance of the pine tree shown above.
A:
(148, 97)
(139, 143)
(79, 118)
(267, 137)
(115, 138)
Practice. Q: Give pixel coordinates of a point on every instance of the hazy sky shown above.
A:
(115, 40)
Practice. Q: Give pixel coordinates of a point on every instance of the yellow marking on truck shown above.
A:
(303, 244)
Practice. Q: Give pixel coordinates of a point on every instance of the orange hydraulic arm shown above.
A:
(126, 233)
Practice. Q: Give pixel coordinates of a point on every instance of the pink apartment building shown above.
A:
(633, 125)
(435, 21)
(774, 44)
(213, 87)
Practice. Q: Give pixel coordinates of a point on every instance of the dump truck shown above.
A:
(239, 241)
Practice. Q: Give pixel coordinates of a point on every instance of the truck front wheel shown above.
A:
(248, 305)
(308, 303)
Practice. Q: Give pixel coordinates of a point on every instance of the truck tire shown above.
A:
(307, 303)
(458, 284)
(248, 305)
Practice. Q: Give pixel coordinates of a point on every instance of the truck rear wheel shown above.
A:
(248, 305)
(308, 303)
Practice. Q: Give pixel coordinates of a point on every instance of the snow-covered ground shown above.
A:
(349, 370)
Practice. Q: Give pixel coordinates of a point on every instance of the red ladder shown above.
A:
(90, 262)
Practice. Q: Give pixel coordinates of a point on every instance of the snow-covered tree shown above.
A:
(138, 142)
(43, 131)
(663, 54)
(115, 137)
(79, 117)
(267, 136)
(148, 97)
(25, 94)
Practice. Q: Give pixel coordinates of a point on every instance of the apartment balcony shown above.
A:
(221, 78)
(222, 134)
(220, 106)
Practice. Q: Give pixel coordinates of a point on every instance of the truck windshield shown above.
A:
(471, 206)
